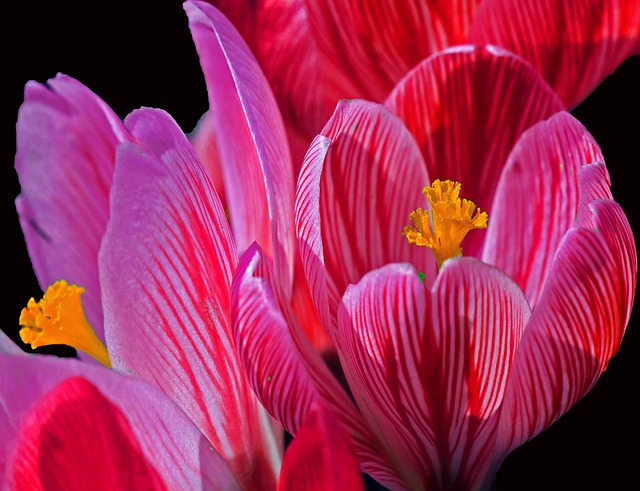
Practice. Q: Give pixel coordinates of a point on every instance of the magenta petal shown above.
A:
(429, 368)
(575, 329)
(320, 457)
(250, 137)
(537, 200)
(574, 45)
(146, 418)
(166, 264)
(66, 139)
(459, 106)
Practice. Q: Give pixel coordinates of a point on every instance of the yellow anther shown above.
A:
(59, 319)
(446, 225)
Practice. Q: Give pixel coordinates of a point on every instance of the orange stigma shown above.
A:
(59, 319)
(444, 227)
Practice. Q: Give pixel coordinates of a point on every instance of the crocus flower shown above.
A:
(453, 359)
(316, 52)
(125, 215)
(80, 426)
(165, 264)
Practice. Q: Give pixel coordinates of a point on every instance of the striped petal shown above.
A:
(283, 369)
(269, 354)
(307, 214)
(595, 184)
(367, 47)
(166, 266)
(574, 45)
(58, 409)
(369, 179)
(250, 138)
(429, 368)
(537, 199)
(466, 108)
(576, 327)
(66, 139)
(320, 457)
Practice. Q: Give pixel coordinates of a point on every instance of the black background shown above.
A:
(143, 55)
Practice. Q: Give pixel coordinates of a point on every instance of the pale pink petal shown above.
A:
(66, 139)
(576, 328)
(250, 138)
(166, 266)
(279, 35)
(537, 200)
(429, 368)
(574, 45)
(369, 182)
(367, 47)
(8, 346)
(163, 434)
(466, 108)
(205, 145)
(320, 457)
(283, 368)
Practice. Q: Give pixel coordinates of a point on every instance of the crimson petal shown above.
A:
(140, 417)
(574, 45)
(320, 457)
(366, 47)
(74, 438)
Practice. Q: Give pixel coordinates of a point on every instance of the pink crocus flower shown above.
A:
(127, 211)
(80, 426)
(448, 365)
(316, 52)
(165, 264)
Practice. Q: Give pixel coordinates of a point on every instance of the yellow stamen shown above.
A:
(447, 224)
(59, 319)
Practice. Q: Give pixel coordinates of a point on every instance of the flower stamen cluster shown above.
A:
(443, 228)
(58, 318)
